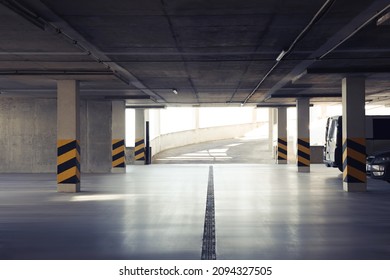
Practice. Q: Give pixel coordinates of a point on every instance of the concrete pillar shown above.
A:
(118, 132)
(139, 147)
(303, 134)
(270, 128)
(282, 136)
(68, 135)
(354, 140)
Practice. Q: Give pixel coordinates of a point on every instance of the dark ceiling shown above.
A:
(216, 52)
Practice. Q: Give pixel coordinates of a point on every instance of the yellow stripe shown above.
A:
(118, 150)
(304, 149)
(118, 161)
(361, 141)
(284, 156)
(139, 147)
(303, 160)
(282, 146)
(349, 170)
(114, 141)
(67, 156)
(64, 142)
(141, 155)
(355, 155)
(68, 174)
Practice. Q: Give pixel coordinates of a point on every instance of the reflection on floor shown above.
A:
(158, 211)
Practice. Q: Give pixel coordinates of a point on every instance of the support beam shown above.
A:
(139, 147)
(354, 140)
(282, 136)
(303, 134)
(118, 132)
(68, 136)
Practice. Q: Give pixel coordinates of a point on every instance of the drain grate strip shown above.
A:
(209, 241)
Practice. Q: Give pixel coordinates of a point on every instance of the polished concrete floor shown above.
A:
(157, 212)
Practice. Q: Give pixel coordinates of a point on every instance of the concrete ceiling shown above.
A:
(216, 52)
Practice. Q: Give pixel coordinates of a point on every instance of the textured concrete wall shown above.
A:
(95, 136)
(28, 135)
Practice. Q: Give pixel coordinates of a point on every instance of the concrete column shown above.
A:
(354, 140)
(303, 134)
(270, 129)
(118, 132)
(282, 136)
(68, 135)
(139, 147)
(197, 118)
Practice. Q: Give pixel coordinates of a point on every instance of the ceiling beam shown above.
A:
(53, 23)
(348, 70)
(375, 9)
(310, 95)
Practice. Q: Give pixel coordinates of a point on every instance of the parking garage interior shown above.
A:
(75, 186)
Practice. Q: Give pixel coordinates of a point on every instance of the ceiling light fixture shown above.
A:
(175, 91)
(281, 55)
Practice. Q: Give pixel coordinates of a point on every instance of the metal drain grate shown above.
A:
(209, 241)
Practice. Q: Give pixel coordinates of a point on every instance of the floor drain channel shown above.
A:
(209, 242)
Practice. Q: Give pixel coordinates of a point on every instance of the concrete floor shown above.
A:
(157, 212)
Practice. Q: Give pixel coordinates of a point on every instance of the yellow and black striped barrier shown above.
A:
(139, 150)
(303, 152)
(354, 160)
(118, 153)
(68, 161)
(282, 148)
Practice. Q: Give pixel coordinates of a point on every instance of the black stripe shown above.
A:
(78, 147)
(351, 179)
(282, 141)
(303, 154)
(66, 148)
(120, 165)
(71, 180)
(139, 142)
(118, 144)
(361, 166)
(140, 151)
(299, 163)
(68, 165)
(354, 146)
(118, 156)
(209, 240)
(303, 143)
(281, 150)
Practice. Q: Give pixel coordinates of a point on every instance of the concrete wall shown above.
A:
(95, 121)
(28, 135)
(177, 139)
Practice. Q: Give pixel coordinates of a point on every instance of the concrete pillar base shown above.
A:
(304, 169)
(118, 170)
(139, 163)
(68, 188)
(354, 187)
(281, 161)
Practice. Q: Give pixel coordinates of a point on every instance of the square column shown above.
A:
(139, 147)
(68, 136)
(282, 136)
(354, 139)
(303, 134)
(118, 132)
